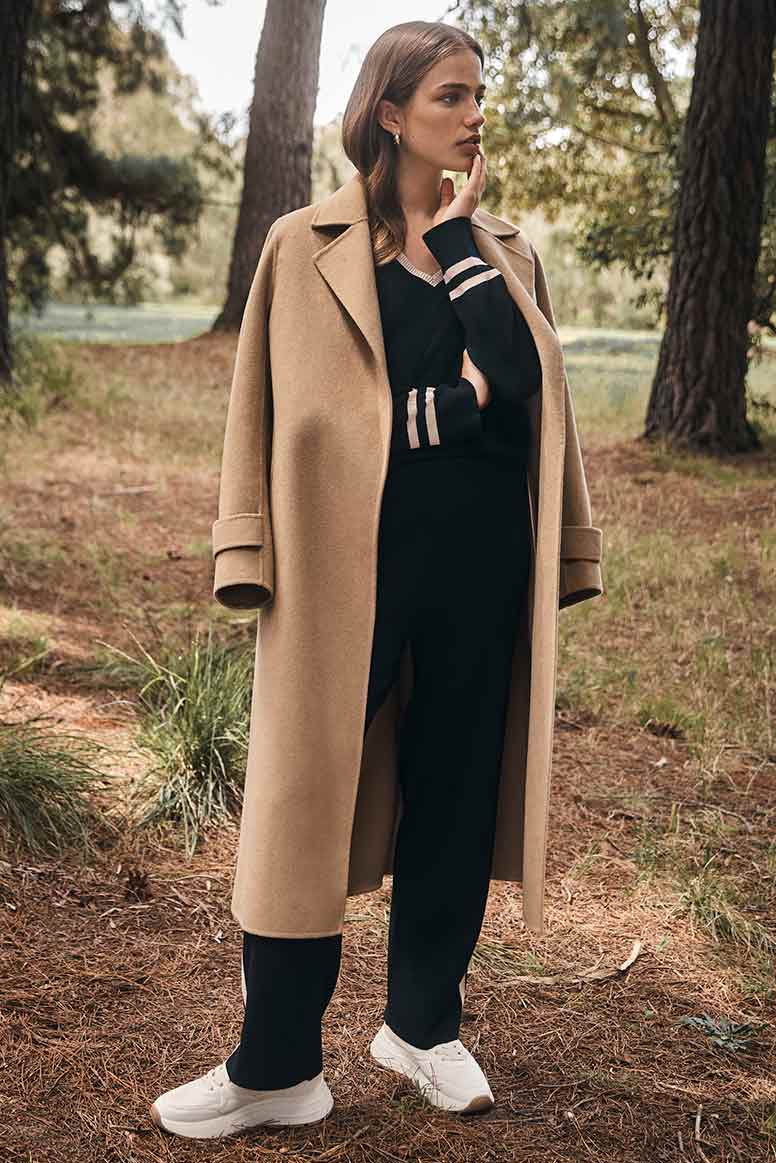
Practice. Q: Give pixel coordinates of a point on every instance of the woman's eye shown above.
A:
(454, 97)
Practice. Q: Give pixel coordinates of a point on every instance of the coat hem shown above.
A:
(300, 936)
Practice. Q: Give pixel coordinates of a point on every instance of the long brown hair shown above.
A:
(392, 69)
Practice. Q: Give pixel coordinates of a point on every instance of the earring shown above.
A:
(397, 137)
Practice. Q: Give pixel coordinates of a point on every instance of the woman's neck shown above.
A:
(418, 187)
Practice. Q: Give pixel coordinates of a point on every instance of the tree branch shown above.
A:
(663, 99)
(587, 133)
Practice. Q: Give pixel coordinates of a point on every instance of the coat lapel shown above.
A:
(346, 261)
(347, 265)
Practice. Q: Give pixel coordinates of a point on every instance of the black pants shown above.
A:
(453, 561)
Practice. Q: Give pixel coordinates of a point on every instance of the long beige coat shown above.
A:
(304, 463)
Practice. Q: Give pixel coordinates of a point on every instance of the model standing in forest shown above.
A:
(376, 506)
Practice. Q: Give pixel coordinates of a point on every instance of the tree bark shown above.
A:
(278, 155)
(698, 396)
(15, 22)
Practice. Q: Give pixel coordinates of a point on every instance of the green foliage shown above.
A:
(585, 108)
(195, 722)
(712, 901)
(45, 781)
(42, 379)
(72, 201)
(722, 1032)
(661, 713)
(24, 650)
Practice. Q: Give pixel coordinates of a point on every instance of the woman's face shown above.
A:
(443, 110)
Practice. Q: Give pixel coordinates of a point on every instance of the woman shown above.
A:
(446, 472)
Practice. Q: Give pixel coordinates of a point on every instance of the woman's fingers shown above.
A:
(479, 157)
(468, 199)
(476, 181)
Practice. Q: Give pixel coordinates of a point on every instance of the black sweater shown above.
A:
(427, 321)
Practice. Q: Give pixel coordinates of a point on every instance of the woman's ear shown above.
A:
(386, 116)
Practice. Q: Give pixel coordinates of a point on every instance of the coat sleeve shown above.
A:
(244, 573)
(581, 542)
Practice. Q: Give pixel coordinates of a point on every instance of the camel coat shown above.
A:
(305, 458)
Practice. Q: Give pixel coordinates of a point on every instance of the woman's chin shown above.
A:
(457, 165)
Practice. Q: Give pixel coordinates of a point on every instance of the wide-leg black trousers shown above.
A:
(453, 562)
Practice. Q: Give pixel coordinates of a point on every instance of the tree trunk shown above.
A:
(15, 22)
(698, 397)
(278, 155)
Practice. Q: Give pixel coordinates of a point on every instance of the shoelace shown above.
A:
(215, 1077)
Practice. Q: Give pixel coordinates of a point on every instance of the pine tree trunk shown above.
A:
(15, 22)
(698, 398)
(278, 155)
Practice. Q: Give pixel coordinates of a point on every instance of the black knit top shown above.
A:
(427, 321)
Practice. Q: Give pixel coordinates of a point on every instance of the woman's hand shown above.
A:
(452, 205)
(470, 371)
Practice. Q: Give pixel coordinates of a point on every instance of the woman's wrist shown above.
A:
(480, 386)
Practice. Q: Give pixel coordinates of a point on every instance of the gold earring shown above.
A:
(397, 137)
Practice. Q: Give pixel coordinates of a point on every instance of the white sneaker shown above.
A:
(447, 1075)
(213, 1105)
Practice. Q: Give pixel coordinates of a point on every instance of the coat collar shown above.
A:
(346, 261)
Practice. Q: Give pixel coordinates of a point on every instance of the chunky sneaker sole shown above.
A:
(212, 1106)
(447, 1075)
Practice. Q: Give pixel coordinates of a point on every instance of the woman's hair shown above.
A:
(392, 69)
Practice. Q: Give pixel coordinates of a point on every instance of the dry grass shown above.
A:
(120, 978)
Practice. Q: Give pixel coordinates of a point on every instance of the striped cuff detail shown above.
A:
(412, 419)
(475, 280)
(452, 244)
(473, 260)
(428, 402)
(428, 416)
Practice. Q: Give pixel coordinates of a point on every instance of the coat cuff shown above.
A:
(243, 577)
(580, 564)
(581, 542)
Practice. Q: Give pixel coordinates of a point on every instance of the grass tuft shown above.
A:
(42, 380)
(195, 723)
(45, 781)
(711, 901)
